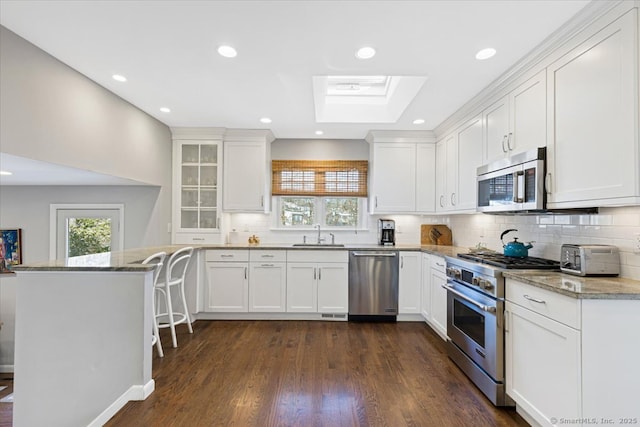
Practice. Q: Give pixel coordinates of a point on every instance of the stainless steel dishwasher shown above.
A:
(373, 285)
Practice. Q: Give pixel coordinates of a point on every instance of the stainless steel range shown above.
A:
(475, 316)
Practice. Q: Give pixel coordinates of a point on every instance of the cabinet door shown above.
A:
(394, 177)
(451, 194)
(409, 282)
(542, 355)
(268, 287)
(528, 109)
(469, 157)
(333, 288)
(496, 129)
(302, 287)
(426, 287)
(438, 303)
(197, 175)
(592, 147)
(227, 287)
(441, 177)
(425, 177)
(245, 176)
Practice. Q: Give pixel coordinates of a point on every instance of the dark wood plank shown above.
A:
(290, 373)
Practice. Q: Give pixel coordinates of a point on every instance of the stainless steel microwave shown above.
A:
(513, 184)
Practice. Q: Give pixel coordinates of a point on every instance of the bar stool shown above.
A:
(158, 260)
(174, 278)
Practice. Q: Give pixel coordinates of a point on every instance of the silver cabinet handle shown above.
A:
(267, 265)
(197, 239)
(509, 139)
(376, 201)
(439, 265)
(390, 254)
(401, 262)
(441, 200)
(504, 149)
(547, 182)
(262, 201)
(314, 273)
(319, 273)
(245, 272)
(539, 301)
(469, 300)
(226, 256)
(267, 256)
(453, 199)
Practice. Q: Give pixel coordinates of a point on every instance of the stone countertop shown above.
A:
(577, 286)
(130, 259)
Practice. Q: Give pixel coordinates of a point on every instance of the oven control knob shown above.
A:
(453, 272)
(486, 285)
(476, 281)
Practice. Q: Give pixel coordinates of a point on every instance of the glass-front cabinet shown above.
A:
(197, 177)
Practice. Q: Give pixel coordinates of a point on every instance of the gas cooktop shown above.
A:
(499, 260)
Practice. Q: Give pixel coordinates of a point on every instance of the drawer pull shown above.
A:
(539, 301)
(266, 256)
(226, 256)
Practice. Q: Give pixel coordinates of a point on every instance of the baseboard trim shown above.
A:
(136, 392)
(4, 369)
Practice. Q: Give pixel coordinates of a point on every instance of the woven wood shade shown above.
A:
(319, 178)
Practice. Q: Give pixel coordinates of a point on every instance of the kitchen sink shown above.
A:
(320, 245)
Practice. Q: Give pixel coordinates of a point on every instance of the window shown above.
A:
(327, 192)
(85, 229)
(329, 212)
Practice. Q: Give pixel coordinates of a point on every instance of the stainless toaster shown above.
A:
(590, 260)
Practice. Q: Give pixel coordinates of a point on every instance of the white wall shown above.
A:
(319, 149)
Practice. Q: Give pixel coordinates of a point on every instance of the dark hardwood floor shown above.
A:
(293, 373)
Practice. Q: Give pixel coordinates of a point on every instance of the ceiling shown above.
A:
(167, 51)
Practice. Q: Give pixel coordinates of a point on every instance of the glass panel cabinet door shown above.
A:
(199, 186)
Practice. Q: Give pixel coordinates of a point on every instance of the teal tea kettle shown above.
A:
(515, 249)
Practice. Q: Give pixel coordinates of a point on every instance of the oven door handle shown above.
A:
(482, 307)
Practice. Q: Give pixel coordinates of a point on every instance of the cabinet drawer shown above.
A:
(196, 238)
(304, 255)
(560, 308)
(438, 263)
(227, 255)
(259, 255)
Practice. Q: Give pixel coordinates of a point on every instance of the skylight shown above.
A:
(364, 99)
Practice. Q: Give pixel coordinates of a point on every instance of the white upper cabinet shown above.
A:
(469, 155)
(196, 183)
(593, 120)
(247, 171)
(393, 181)
(457, 157)
(517, 122)
(425, 177)
(402, 172)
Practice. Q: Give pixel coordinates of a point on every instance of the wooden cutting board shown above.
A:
(435, 234)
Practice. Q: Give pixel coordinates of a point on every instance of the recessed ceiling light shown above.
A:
(265, 120)
(6, 173)
(319, 132)
(227, 51)
(119, 78)
(485, 53)
(165, 110)
(418, 121)
(365, 52)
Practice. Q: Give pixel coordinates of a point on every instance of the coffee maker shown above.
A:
(386, 232)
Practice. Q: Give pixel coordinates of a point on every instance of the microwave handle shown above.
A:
(518, 186)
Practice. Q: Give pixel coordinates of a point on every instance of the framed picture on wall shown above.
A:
(10, 249)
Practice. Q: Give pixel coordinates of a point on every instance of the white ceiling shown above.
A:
(167, 50)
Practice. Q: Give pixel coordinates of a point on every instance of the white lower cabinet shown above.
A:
(438, 319)
(543, 365)
(317, 281)
(425, 305)
(570, 360)
(409, 282)
(267, 281)
(227, 274)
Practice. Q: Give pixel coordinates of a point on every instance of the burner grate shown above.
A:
(502, 261)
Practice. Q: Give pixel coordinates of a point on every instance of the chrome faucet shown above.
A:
(319, 239)
(333, 238)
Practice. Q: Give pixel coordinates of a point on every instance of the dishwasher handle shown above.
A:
(369, 254)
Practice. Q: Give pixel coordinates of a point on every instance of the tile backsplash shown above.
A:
(611, 226)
